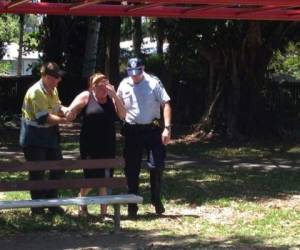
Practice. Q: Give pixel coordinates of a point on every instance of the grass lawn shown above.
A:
(207, 205)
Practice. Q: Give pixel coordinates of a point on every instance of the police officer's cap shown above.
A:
(135, 66)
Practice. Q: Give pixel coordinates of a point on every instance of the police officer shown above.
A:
(144, 97)
(39, 136)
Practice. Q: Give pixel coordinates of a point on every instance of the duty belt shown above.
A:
(142, 127)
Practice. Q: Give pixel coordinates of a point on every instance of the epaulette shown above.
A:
(156, 78)
(128, 81)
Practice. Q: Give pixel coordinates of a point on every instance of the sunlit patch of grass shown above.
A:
(228, 152)
(273, 226)
(70, 146)
(294, 150)
(223, 150)
(220, 207)
(24, 195)
(213, 214)
(13, 176)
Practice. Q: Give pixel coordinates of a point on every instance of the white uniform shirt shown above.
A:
(142, 100)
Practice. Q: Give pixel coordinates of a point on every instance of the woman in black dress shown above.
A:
(100, 108)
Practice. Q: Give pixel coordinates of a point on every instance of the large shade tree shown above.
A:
(217, 70)
(221, 71)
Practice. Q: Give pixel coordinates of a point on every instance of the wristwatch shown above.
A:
(168, 127)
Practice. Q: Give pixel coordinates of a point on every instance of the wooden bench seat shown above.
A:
(69, 182)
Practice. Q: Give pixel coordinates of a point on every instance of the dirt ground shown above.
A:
(68, 240)
(54, 240)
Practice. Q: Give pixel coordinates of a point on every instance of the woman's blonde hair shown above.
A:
(95, 78)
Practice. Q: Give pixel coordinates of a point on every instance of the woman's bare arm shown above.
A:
(77, 105)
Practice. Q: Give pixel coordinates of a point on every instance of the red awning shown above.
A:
(287, 10)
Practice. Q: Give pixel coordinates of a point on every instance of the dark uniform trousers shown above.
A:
(33, 153)
(137, 139)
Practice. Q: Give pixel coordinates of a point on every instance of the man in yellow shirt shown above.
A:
(42, 112)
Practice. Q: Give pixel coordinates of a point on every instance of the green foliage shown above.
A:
(31, 41)
(287, 61)
(9, 28)
(127, 29)
(5, 67)
(145, 26)
(31, 33)
(32, 23)
(223, 82)
(155, 64)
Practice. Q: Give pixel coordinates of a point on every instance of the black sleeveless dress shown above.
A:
(97, 135)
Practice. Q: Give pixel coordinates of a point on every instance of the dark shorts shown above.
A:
(97, 173)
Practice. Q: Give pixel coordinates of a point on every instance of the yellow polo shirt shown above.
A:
(37, 104)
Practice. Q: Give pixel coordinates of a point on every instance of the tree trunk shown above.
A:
(20, 52)
(159, 36)
(230, 82)
(214, 90)
(113, 50)
(234, 98)
(91, 47)
(232, 71)
(55, 39)
(137, 36)
(103, 36)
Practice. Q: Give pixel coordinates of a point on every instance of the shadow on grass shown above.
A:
(222, 150)
(207, 178)
(197, 185)
(20, 231)
(21, 221)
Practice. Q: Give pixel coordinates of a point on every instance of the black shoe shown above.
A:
(56, 210)
(132, 211)
(159, 208)
(37, 211)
